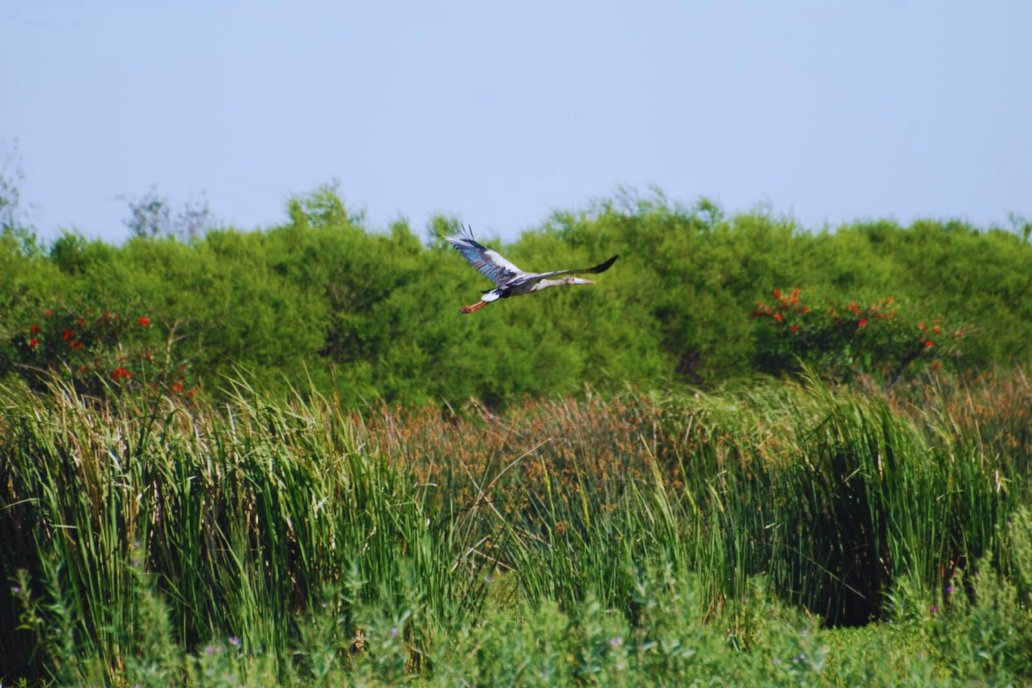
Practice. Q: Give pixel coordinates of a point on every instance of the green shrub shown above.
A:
(846, 341)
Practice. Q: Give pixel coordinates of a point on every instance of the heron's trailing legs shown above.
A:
(475, 307)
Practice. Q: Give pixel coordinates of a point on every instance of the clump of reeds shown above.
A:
(241, 515)
(292, 538)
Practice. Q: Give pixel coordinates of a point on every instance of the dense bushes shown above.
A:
(371, 315)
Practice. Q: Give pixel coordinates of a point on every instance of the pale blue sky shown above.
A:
(827, 111)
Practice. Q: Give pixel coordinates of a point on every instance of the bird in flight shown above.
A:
(509, 279)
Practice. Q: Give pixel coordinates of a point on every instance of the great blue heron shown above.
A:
(510, 280)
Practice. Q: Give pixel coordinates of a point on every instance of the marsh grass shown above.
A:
(152, 539)
(830, 494)
(241, 517)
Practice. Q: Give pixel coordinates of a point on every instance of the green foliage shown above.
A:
(365, 315)
(635, 540)
(983, 625)
(221, 514)
(844, 342)
(254, 534)
(97, 352)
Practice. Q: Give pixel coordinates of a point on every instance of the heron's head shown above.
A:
(576, 280)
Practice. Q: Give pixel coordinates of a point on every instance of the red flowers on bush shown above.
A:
(840, 341)
(93, 347)
(121, 374)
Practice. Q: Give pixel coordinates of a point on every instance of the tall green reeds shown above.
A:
(149, 536)
(829, 494)
(242, 516)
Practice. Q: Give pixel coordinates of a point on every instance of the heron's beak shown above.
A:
(581, 280)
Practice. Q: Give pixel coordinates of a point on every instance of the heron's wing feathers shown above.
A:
(488, 262)
(601, 267)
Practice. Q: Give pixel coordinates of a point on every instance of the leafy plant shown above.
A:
(96, 352)
(846, 341)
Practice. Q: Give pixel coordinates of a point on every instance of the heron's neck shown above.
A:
(546, 283)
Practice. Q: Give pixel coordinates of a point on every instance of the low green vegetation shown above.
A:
(778, 533)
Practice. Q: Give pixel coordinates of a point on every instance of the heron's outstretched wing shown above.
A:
(601, 267)
(488, 262)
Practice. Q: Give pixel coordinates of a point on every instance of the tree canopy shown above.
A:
(698, 297)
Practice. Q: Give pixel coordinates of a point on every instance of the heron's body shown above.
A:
(510, 280)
